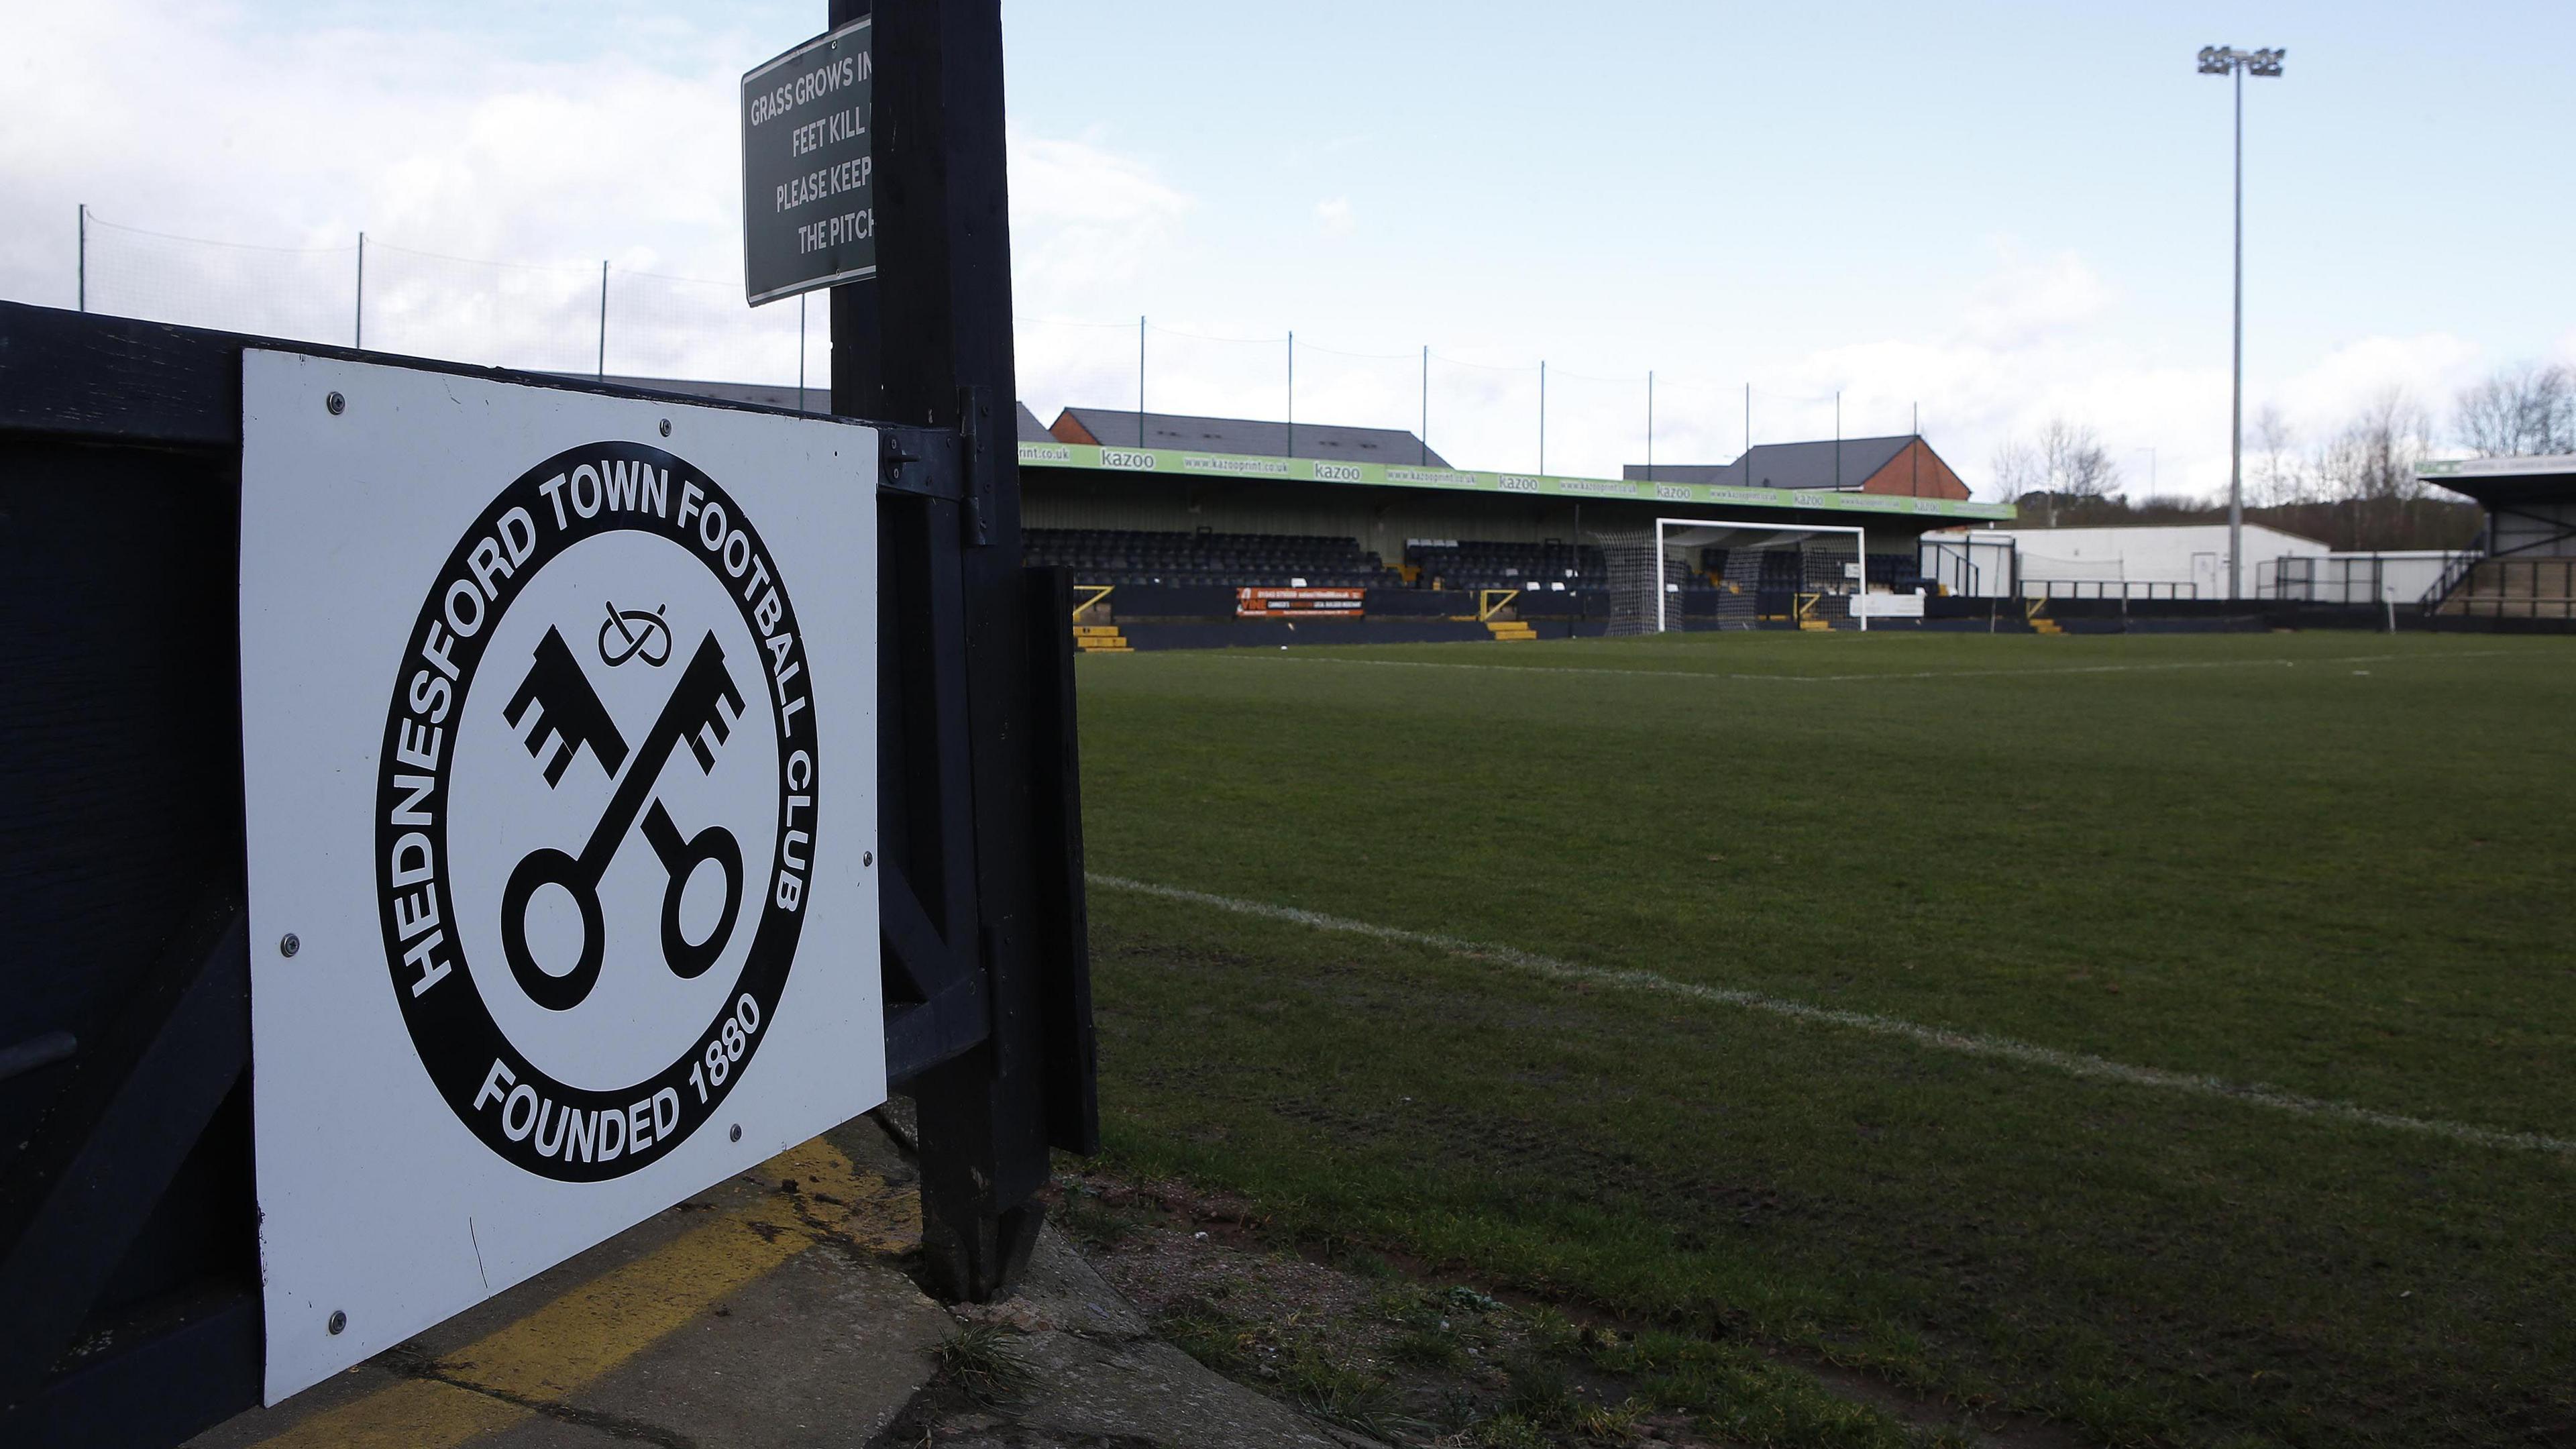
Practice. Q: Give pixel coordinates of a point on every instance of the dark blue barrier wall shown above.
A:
(1419, 603)
(1304, 633)
(1203, 602)
(1203, 618)
(1171, 601)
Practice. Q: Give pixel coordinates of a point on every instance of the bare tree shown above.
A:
(2526, 409)
(2370, 463)
(2375, 454)
(2077, 464)
(2278, 478)
(2066, 463)
(2017, 470)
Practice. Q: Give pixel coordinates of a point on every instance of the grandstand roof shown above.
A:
(1126, 428)
(772, 395)
(758, 394)
(2500, 482)
(1808, 465)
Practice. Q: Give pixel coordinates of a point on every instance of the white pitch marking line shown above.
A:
(1580, 671)
(2077, 1064)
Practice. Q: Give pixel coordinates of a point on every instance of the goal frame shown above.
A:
(1859, 535)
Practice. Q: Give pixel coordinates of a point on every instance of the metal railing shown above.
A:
(2107, 589)
(2457, 574)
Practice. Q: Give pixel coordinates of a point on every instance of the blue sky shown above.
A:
(2002, 213)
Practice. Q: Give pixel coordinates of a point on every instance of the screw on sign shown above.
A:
(646, 911)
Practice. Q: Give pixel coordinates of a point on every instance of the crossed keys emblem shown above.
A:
(570, 715)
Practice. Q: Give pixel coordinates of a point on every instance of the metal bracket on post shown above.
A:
(975, 441)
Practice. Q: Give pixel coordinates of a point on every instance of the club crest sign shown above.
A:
(559, 771)
(502, 733)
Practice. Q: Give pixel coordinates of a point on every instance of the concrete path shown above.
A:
(774, 1311)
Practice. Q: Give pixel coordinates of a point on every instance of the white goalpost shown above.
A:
(1728, 532)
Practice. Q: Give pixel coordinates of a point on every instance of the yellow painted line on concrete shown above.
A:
(570, 1343)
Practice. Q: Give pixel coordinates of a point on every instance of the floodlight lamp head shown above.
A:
(2221, 59)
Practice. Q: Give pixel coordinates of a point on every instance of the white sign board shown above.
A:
(1887, 606)
(559, 760)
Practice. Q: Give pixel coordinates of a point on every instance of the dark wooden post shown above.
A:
(927, 342)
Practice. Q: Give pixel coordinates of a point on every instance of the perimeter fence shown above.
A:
(1474, 407)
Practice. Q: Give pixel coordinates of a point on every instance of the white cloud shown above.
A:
(2040, 339)
(2032, 298)
(300, 139)
(1084, 219)
(295, 141)
(436, 142)
(2430, 368)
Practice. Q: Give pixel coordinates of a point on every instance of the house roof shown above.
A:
(1787, 465)
(1031, 430)
(1125, 428)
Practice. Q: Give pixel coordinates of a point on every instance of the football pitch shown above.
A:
(2172, 1036)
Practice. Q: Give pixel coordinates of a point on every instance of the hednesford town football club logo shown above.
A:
(597, 811)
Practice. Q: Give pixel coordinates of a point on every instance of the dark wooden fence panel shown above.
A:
(129, 1310)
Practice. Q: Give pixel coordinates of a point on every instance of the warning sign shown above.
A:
(567, 811)
(809, 216)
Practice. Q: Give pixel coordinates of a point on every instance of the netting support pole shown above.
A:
(1542, 417)
(800, 349)
(1140, 382)
(1291, 450)
(1659, 575)
(1425, 439)
(1650, 425)
(358, 314)
(83, 283)
(1863, 596)
(603, 318)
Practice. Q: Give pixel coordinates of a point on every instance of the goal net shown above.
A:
(1689, 573)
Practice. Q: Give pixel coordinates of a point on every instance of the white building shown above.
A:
(2184, 561)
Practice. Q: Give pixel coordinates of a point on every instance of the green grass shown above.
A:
(979, 1362)
(2331, 864)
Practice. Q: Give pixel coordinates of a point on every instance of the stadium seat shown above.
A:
(1229, 560)
(1482, 564)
